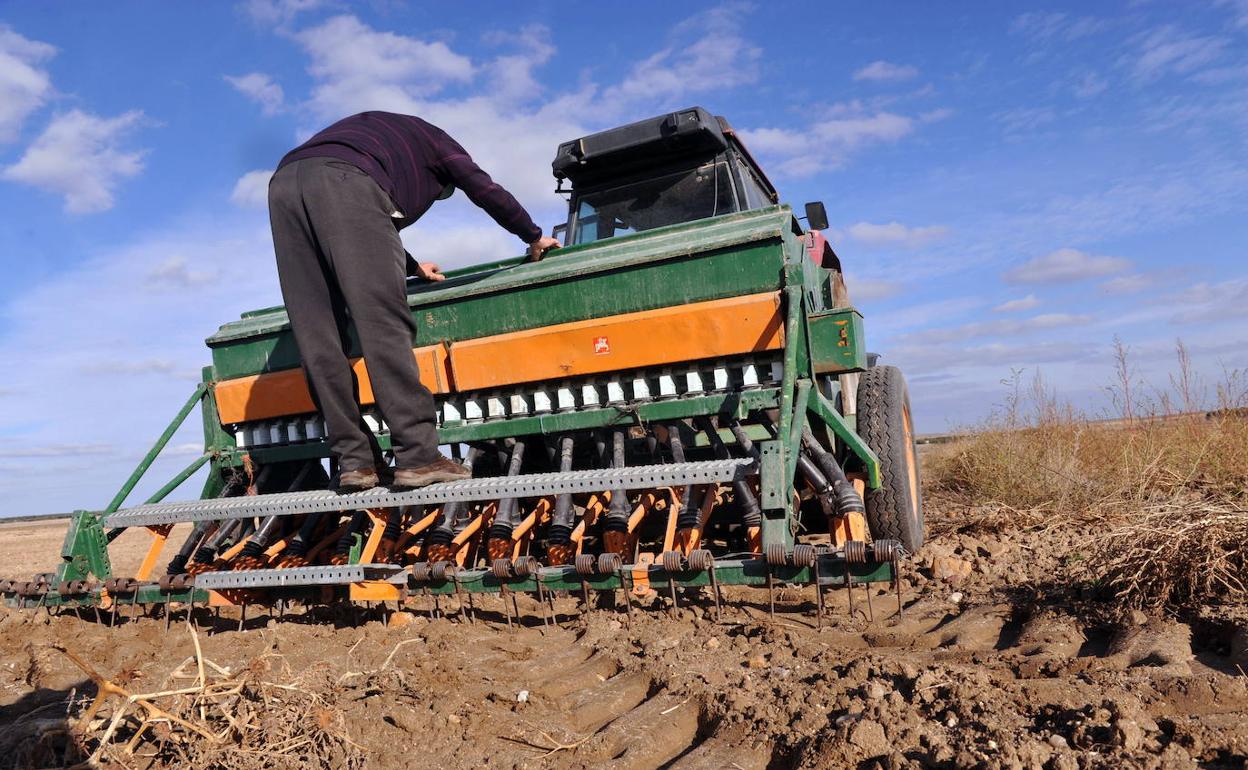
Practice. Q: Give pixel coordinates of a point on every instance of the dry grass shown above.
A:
(1176, 555)
(1163, 499)
(1070, 468)
(259, 718)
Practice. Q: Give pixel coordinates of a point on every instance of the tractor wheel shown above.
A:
(895, 510)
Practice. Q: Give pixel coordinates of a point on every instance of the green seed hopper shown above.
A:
(678, 398)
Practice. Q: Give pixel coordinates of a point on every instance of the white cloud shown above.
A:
(1045, 26)
(79, 156)
(176, 272)
(1015, 305)
(279, 12)
(1021, 120)
(998, 327)
(836, 132)
(261, 89)
(1167, 50)
(867, 289)
(896, 234)
(1089, 84)
(24, 85)
(137, 367)
(1129, 284)
(704, 53)
(1206, 302)
(1238, 10)
(884, 71)
(457, 244)
(511, 75)
(252, 189)
(113, 372)
(10, 449)
(376, 70)
(1064, 266)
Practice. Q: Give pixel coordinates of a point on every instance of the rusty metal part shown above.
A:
(525, 566)
(672, 561)
(585, 564)
(559, 554)
(609, 563)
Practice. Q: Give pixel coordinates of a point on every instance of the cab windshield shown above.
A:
(682, 196)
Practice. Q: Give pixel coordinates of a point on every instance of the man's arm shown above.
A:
(465, 174)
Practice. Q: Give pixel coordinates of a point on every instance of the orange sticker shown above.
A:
(602, 346)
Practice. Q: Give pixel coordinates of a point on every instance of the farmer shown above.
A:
(336, 204)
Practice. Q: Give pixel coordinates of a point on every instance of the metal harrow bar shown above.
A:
(300, 576)
(533, 485)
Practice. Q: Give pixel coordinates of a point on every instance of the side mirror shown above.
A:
(558, 232)
(816, 216)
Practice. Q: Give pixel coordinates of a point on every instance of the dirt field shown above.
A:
(998, 661)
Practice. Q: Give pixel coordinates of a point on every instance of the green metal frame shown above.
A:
(732, 255)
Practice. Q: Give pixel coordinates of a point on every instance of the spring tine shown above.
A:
(715, 591)
(472, 608)
(437, 605)
(628, 600)
(242, 616)
(216, 620)
(516, 606)
(771, 594)
(502, 594)
(849, 589)
(671, 584)
(585, 594)
(96, 607)
(554, 614)
(541, 599)
(168, 617)
(818, 596)
(897, 584)
(870, 610)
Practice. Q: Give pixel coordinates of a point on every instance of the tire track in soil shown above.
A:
(981, 674)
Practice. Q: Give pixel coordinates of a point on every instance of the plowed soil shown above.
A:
(997, 661)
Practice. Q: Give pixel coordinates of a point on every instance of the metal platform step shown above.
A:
(494, 488)
(300, 576)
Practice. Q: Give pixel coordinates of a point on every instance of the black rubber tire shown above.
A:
(895, 510)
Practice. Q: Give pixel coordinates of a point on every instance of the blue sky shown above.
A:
(1010, 185)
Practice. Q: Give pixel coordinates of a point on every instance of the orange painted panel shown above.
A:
(668, 335)
(276, 394)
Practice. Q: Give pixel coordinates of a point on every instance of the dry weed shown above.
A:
(1177, 555)
(219, 719)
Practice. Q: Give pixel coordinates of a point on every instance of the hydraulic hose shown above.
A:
(845, 496)
(751, 513)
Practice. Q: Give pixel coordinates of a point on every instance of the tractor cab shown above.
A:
(666, 170)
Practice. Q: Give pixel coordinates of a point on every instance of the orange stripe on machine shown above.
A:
(703, 330)
(714, 329)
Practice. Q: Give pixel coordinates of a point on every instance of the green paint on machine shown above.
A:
(744, 252)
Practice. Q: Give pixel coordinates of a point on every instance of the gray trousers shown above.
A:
(340, 261)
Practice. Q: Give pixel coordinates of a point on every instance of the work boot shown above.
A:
(440, 469)
(357, 480)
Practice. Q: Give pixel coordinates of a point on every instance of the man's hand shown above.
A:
(429, 271)
(538, 248)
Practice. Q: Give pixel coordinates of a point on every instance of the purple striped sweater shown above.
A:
(413, 160)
